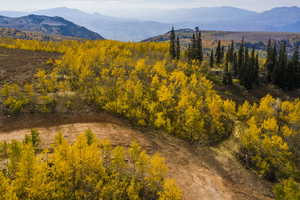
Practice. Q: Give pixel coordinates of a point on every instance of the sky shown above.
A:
(112, 7)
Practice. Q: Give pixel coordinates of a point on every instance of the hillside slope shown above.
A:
(28, 35)
(203, 173)
(229, 35)
(49, 26)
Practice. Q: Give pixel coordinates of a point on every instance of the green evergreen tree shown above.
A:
(196, 49)
(227, 76)
(271, 60)
(279, 74)
(256, 70)
(178, 48)
(235, 65)
(200, 48)
(190, 53)
(292, 72)
(219, 53)
(222, 53)
(231, 52)
(296, 64)
(212, 58)
(241, 58)
(172, 49)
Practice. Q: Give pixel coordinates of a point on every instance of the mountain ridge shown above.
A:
(48, 25)
(226, 18)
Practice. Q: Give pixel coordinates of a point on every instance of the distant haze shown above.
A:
(132, 8)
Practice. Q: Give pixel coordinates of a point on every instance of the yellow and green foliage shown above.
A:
(139, 81)
(270, 138)
(288, 190)
(87, 169)
(135, 80)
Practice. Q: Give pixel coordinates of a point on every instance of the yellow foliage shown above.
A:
(135, 80)
(87, 169)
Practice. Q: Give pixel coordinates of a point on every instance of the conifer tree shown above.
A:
(196, 51)
(235, 65)
(172, 44)
(222, 53)
(256, 70)
(178, 48)
(271, 59)
(227, 76)
(249, 69)
(244, 70)
(279, 73)
(212, 58)
(231, 52)
(291, 74)
(241, 58)
(219, 53)
(199, 46)
(190, 52)
(296, 64)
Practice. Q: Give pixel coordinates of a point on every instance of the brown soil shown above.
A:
(203, 173)
(19, 66)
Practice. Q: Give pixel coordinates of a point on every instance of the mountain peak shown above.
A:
(48, 25)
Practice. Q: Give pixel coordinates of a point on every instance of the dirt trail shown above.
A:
(202, 173)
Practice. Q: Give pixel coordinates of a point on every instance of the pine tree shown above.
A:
(271, 60)
(200, 48)
(212, 58)
(190, 52)
(227, 76)
(178, 48)
(245, 74)
(196, 51)
(231, 52)
(241, 58)
(291, 74)
(296, 64)
(256, 70)
(253, 68)
(249, 69)
(279, 75)
(172, 44)
(235, 65)
(222, 53)
(219, 53)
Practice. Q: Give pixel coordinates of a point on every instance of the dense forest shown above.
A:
(161, 86)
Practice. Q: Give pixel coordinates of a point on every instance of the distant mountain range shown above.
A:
(49, 26)
(109, 27)
(281, 19)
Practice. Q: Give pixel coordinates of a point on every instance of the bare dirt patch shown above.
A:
(203, 173)
(19, 66)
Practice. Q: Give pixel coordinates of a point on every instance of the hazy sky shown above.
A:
(112, 6)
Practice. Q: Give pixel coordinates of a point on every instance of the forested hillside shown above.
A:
(167, 87)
